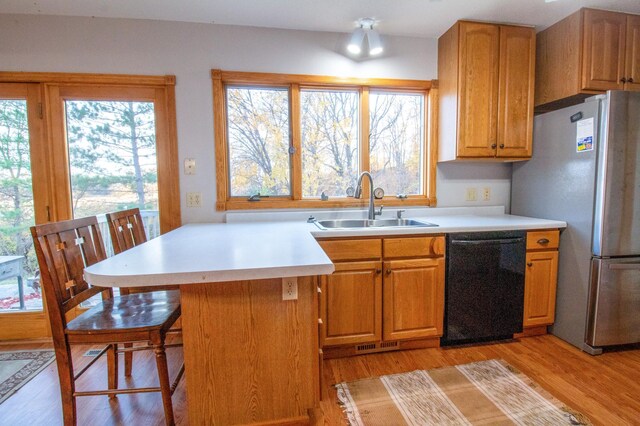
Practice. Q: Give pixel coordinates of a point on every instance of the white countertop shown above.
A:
(200, 253)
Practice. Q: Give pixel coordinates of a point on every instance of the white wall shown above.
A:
(189, 51)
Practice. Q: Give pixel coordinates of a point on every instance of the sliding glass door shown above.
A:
(23, 201)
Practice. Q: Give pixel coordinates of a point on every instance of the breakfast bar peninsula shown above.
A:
(250, 355)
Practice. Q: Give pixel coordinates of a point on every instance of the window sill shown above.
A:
(274, 203)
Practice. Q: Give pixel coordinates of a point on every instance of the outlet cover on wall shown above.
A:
(486, 194)
(194, 199)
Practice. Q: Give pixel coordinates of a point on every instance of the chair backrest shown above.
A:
(126, 229)
(64, 249)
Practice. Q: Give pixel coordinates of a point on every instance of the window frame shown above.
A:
(296, 82)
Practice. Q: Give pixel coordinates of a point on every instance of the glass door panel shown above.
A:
(112, 161)
(19, 278)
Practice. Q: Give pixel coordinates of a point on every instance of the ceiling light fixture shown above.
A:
(365, 28)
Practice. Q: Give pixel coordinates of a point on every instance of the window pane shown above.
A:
(258, 135)
(396, 142)
(19, 278)
(112, 162)
(330, 133)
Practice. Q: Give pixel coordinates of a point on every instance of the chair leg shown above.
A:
(165, 384)
(67, 385)
(112, 368)
(128, 360)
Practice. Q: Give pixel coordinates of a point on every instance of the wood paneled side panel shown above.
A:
(478, 89)
(351, 306)
(249, 356)
(603, 57)
(515, 110)
(558, 60)
(540, 288)
(448, 94)
(632, 62)
(413, 298)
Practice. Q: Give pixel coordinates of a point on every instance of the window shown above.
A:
(302, 141)
(258, 135)
(329, 128)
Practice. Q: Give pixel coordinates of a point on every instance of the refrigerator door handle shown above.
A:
(630, 265)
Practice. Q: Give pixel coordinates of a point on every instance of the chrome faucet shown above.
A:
(372, 208)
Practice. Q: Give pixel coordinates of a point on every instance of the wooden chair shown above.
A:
(126, 229)
(64, 249)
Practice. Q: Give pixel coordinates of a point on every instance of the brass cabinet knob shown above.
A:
(630, 80)
(493, 146)
(543, 241)
(501, 146)
(388, 271)
(529, 264)
(378, 271)
(623, 80)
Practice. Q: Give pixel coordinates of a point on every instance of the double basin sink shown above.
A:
(368, 223)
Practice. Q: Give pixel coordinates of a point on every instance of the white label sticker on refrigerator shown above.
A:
(584, 135)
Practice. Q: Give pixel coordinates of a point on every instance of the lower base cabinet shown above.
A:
(383, 291)
(411, 291)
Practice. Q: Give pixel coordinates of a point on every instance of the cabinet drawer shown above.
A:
(339, 250)
(413, 247)
(538, 240)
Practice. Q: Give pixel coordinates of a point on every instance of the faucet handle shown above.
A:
(399, 213)
(379, 212)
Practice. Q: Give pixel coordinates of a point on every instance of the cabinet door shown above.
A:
(632, 63)
(517, 77)
(478, 89)
(603, 53)
(413, 299)
(540, 281)
(351, 304)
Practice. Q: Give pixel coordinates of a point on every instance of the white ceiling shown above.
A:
(418, 18)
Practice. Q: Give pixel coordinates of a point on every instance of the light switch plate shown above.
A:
(189, 166)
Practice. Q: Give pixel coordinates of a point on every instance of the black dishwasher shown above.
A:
(484, 289)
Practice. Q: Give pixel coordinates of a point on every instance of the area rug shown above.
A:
(481, 393)
(17, 368)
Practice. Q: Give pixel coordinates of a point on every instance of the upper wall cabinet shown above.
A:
(587, 53)
(486, 77)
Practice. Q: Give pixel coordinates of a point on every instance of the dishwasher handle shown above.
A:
(494, 241)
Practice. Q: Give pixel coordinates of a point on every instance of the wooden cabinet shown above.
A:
(541, 276)
(351, 304)
(412, 292)
(395, 295)
(486, 87)
(587, 53)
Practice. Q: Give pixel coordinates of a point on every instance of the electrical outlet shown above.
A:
(290, 288)
(486, 194)
(472, 194)
(194, 199)
(189, 166)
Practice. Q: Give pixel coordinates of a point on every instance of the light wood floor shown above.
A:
(606, 388)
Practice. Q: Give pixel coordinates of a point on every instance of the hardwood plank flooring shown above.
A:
(606, 388)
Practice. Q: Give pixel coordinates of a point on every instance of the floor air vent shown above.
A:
(366, 347)
(92, 352)
(388, 345)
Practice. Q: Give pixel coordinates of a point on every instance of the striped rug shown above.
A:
(482, 393)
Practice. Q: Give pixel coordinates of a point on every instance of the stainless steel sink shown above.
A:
(366, 223)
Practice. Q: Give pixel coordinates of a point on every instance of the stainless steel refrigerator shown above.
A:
(585, 170)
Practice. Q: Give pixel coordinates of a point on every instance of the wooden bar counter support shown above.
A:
(250, 357)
